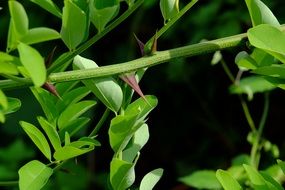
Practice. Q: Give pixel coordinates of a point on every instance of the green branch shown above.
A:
(144, 62)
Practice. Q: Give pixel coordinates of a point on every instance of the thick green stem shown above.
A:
(255, 150)
(144, 62)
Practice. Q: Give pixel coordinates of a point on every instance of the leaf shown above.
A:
(49, 6)
(140, 138)
(75, 126)
(227, 181)
(106, 89)
(3, 100)
(251, 85)
(102, 12)
(70, 151)
(8, 64)
(19, 18)
(281, 164)
(51, 132)
(74, 26)
(47, 102)
(124, 126)
(14, 105)
(122, 174)
(260, 13)
(149, 180)
(256, 179)
(266, 175)
(34, 175)
(40, 34)
(169, 9)
(73, 111)
(269, 39)
(203, 179)
(12, 40)
(245, 61)
(33, 63)
(142, 107)
(72, 97)
(121, 131)
(37, 137)
(274, 70)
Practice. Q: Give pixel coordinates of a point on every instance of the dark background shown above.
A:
(197, 124)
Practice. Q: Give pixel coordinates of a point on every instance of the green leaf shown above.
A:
(8, 64)
(275, 70)
(256, 178)
(141, 106)
(14, 105)
(150, 180)
(74, 26)
(71, 151)
(51, 132)
(71, 97)
(122, 174)
(169, 9)
(271, 180)
(107, 90)
(3, 100)
(12, 40)
(281, 164)
(124, 126)
(251, 85)
(245, 61)
(269, 39)
(262, 58)
(204, 179)
(34, 175)
(121, 131)
(260, 13)
(47, 102)
(19, 18)
(102, 12)
(74, 111)
(40, 34)
(66, 139)
(73, 127)
(49, 6)
(140, 138)
(227, 181)
(37, 137)
(33, 63)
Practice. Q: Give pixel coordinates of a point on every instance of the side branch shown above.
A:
(144, 62)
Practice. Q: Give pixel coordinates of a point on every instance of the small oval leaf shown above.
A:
(34, 175)
(74, 111)
(37, 137)
(40, 34)
(149, 180)
(33, 63)
(227, 181)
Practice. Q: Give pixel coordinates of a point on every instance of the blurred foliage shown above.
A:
(197, 123)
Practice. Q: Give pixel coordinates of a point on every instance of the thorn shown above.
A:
(154, 44)
(130, 79)
(49, 58)
(141, 45)
(51, 88)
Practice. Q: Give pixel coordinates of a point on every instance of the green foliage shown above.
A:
(106, 90)
(150, 179)
(34, 175)
(69, 106)
(204, 179)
